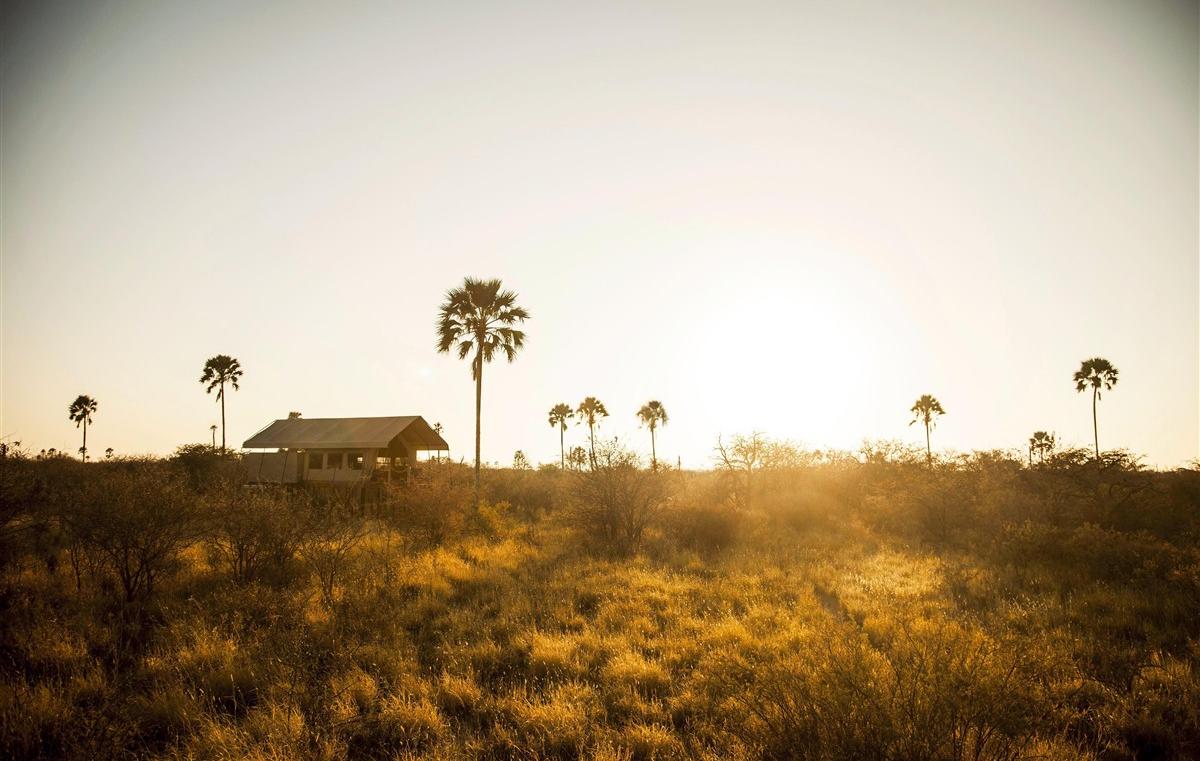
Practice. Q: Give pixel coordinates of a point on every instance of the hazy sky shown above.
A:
(790, 217)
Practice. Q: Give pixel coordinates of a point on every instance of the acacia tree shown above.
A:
(652, 414)
(925, 410)
(80, 413)
(559, 415)
(218, 371)
(590, 411)
(479, 317)
(1096, 373)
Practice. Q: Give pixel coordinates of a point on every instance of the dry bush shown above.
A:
(134, 520)
(255, 531)
(532, 493)
(703, 518)
(205, 468)
(329, 538)
(616, 500)
(433, 505)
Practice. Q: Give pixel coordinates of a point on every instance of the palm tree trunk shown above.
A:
(592, 443)
(562, 452)
(478, 411)
(653, 451)
(1095, 425)
(222, 416)
(83, 454)
(928, 450)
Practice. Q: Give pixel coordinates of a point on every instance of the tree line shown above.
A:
(481, 320)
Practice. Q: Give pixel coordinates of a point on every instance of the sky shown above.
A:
(791, 217)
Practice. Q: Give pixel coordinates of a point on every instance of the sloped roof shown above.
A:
(346, 433)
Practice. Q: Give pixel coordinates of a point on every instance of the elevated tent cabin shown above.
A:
(338, 450)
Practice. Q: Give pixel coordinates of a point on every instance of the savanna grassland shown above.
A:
(787, 604)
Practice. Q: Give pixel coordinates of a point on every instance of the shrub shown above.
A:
(327, 548)
(254, 531)
(135, 519)
(432, 506)
(707, 529)
(616, 500)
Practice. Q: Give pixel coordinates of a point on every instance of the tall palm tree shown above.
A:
(213, 430)
(559, 415)
(1097, 373)
(218, 371)
(652, 414)
(478, 316)
(590, 411)
(80, 413)
(925, 410)
(1042, 443)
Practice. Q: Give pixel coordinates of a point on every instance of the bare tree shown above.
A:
(741, 458)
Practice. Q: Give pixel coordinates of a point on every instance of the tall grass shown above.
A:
(811, 606)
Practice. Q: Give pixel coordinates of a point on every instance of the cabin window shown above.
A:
(334, 460)
(316, 460)
(356, 460)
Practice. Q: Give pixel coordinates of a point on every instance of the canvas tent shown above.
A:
(338, 450)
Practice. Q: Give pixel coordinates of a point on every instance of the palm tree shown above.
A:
(1097, 373)
(80, 413)
(479, 317)
(218, 371)
(559, 415)
(590, 411)
(1042, 443)
(213, 430)
(652, 414)
(925, 410)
